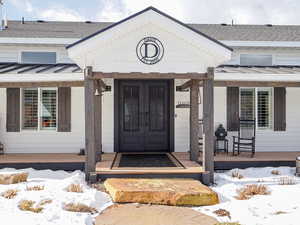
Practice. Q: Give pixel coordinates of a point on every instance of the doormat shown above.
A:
(149, 160)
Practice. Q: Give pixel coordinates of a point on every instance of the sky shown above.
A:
(188, 11)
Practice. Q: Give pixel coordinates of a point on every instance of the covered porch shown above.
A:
(99, 165)
(71, 161)
(137, 53)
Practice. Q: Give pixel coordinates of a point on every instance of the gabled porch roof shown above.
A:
(159, 12)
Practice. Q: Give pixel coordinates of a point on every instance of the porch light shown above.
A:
(96, 92)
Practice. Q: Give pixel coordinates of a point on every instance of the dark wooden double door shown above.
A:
(144, 113)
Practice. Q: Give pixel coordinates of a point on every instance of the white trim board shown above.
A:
(53, 77)
(60, 41)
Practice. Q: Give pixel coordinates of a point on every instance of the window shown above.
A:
(38, 57)
(39, 108)
(255, 60)
(30, 109)
(257, 103)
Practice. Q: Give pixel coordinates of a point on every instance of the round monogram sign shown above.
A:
(150, 50)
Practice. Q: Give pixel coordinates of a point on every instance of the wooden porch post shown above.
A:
(208, 124)
(98, 119)
(194, 118)
(92, 123)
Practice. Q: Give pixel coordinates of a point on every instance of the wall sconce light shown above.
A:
(97, 92)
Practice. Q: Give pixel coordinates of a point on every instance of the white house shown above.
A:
(143, 67)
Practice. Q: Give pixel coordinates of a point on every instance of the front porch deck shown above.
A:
(73, 161)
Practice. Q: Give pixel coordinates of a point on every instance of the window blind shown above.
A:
(48, 114)
(257, 103)
(264, 106)
(30, 108)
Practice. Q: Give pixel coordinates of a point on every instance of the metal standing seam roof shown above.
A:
(258, 69)
(22, 68)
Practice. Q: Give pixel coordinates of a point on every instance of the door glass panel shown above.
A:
(131, 108)
(156, 108)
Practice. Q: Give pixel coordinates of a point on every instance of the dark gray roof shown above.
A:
(278, 69)
(21, 68)
(61, 68)
(47, 29)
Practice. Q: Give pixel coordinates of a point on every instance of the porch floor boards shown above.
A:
(259, 156)
(14, 158)
(106, 167)
(9, 160)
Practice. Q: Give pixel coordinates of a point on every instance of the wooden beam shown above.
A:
(101, 84)
(185, 85)
(208, 125)
(194, 118)
(42, 84)
(98, 124)
(92, 125)
(138, 75)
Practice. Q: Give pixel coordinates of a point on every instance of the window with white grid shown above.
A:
(264, 108)
(48, 109)
(30, 109)
(39, 108)
(257, 103)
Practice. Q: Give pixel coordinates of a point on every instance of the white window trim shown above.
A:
(255, 110)
(39, 129)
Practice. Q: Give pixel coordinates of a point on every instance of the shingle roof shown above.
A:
(47, 29)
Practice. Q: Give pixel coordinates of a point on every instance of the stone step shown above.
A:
(135, 214)
(175, 192)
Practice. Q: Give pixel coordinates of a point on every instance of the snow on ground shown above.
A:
(55, 183)
(282, 206)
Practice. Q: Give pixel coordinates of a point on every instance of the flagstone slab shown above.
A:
(175, 192)
(129, 214)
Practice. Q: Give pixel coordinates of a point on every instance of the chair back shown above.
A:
(247, 128)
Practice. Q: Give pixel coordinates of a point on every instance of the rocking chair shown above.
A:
(245, 141)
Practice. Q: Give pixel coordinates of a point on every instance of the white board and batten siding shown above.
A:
(13, 53)
(56, 142)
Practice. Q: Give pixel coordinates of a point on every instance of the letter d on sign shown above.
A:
(150, 50)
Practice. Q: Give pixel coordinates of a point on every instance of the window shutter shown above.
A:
(13, 110)
(279, 109)
(64, 109)
(232, 108)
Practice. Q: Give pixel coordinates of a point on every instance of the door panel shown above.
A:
(157, 122)
(144, 116)
(132, 133)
